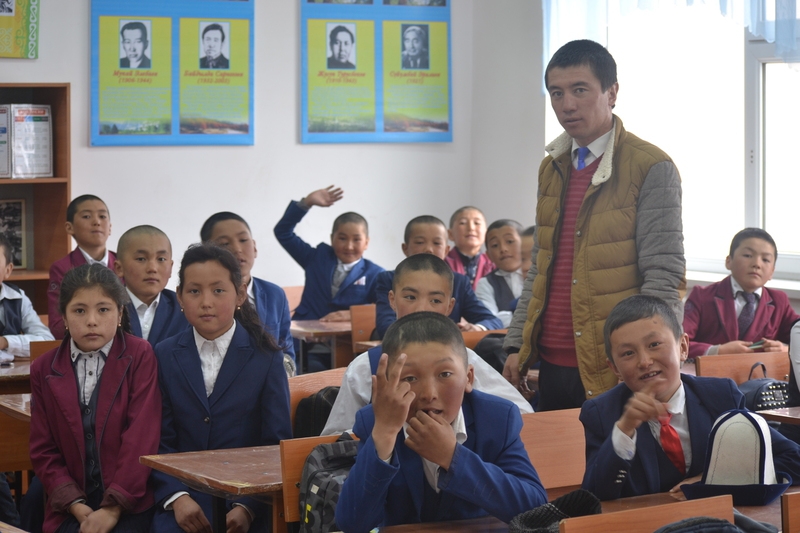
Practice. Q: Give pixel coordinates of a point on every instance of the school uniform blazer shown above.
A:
(467, 305)
(273, 310)
(320, 265)
(609, 477)
(485, 265)
(248, 407)
(490, 473)
(57, 272)
(127, 426)
(169, 319)
(709, 317)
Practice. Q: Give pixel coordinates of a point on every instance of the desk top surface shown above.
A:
(225, 473)
(790, 415)
(5, 528)
(300, 328)
(19, 370)
(16, 406)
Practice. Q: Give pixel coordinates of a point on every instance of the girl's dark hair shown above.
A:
(246, 314)
(90, 276)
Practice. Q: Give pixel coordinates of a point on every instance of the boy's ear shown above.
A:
(8, 270)
(404, 247)
(728, 261)
(255, 250)
(446, 250)
(684, 347)
(470, 378)
(118, 270)
(450, 306)
(450, 235)
(392, 302)
(613, 368)
(70, 229)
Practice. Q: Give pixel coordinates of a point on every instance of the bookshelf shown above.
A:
(46, 199)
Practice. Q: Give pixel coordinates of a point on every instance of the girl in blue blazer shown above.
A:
(223, 386)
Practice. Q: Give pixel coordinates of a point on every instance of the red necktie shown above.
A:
(671, 443)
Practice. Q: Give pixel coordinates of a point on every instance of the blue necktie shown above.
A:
(748, 313)
(583, 151)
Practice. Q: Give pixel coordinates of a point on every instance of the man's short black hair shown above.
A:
(212, 27)
(497, 224)
(208, 226)
(752, 233)
(338, 29)
(423, 328)
(134, 26)
(426, 262)
(72, 208)
(586, 52)
(424, 219)
(350, 218)
(637, 307)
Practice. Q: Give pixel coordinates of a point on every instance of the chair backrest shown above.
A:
(362, 322)
(647, 519)
(41, 347)
(293, 457)
(790, 511)
(307, 384)
(472, 338)
(737, 366)
(556, 444)
(294, 294)
(45, 319)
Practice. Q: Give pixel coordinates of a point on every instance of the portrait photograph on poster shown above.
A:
(415, 46)
(134, 43)
(12, 225)
(417, 3)
(363, 2)
(341, 43)
(7, 8)
(215, 45)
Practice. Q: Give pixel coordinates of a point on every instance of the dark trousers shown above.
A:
(31, 509)
(128, 523)
(8, 508)
(560, 387)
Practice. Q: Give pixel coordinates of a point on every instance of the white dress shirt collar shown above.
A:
(91, 260)
(596, 149)
(737, 288)
(212, 354)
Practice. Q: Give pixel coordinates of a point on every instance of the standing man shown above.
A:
(213, 38)
(609, 225)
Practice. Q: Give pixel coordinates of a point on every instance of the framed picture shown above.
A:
(12, 224)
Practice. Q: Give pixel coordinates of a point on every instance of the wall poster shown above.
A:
(172, 73)
(376, 71)
(19, 28)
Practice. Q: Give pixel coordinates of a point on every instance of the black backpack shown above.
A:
(312, 412)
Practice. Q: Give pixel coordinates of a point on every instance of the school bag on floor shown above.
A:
(313, 411)
(324, 473)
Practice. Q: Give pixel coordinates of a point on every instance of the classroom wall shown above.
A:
(498, 115)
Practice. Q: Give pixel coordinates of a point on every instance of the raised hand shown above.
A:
(324, 197)
(391, 400)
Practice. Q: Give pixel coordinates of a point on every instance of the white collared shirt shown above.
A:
(146, 313)
(88, 368)
(739, 302)
(625, 447)
(32, 326)
(485, 293)
(596, 149)
(251, 292)
(212, 354)
(91, 260)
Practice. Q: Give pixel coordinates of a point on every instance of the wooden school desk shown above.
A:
(16, 377)
(338, 333)
(5, 528)
(17, 406)
(15, 427)
(787, 415)
(228, 474)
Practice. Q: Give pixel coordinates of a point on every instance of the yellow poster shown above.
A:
(19, 28)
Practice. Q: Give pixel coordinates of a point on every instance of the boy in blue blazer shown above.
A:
(649, 434)
(431, 448)
(428, 235)
(144, 262)
(337, 275)
(232, 232)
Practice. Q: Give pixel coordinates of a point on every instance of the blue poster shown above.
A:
(376, 71)
(177, 72)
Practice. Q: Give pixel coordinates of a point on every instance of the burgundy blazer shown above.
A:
(485, 265)
(709, 317)
(57, 271)
(128, 426)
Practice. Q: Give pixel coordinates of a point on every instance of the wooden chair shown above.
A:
(41, 347)
(737, 366)
(648, 519)
(293, 457)
(790, 511)
(307, 384)
(362, 323)
(556, 444)
(472, 338)
(45, 319)
(294, 294)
